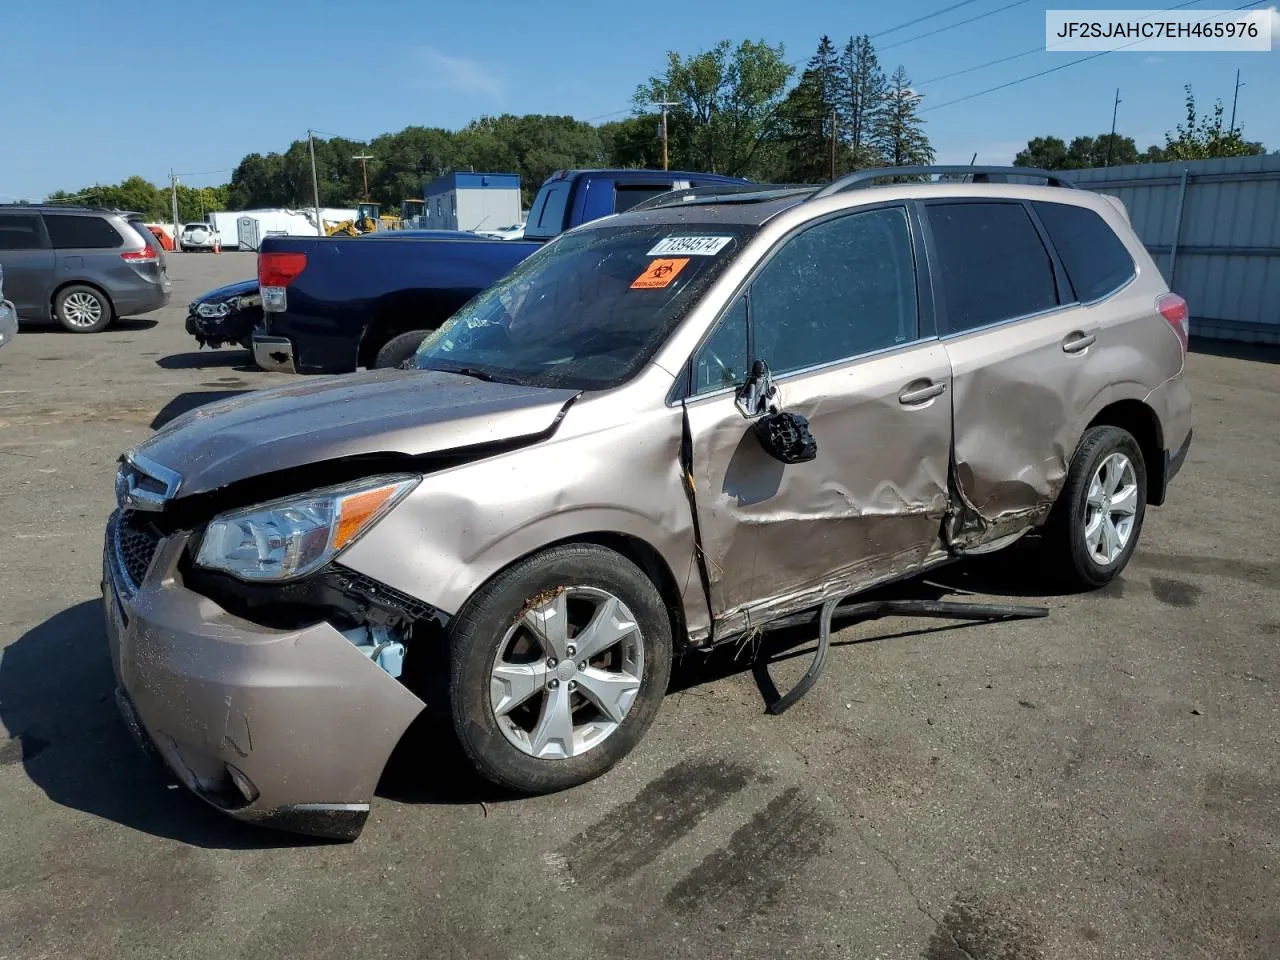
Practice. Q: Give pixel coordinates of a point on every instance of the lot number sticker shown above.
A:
(690, 246)
(658, 274)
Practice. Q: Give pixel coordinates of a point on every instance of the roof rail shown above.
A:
(863, 178)
(723, 192)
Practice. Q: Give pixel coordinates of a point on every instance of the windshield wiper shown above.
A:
(477, 374)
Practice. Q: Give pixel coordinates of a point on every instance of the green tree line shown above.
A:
(155, 203)
(1198, 138)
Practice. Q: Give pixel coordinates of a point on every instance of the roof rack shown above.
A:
(864, 178)
(724, 193)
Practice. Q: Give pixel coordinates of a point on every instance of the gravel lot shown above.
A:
(1104, 783)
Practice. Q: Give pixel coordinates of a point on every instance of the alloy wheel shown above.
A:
(82, 309)
(567, 672)
(1111, 506)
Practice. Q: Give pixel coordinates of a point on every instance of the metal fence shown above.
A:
(1213, 228)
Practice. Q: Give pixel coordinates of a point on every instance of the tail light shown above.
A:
(145, 255)
(275, 272)
(1174, 309)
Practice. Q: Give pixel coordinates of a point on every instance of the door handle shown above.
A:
(912, 395)
(1077, 342)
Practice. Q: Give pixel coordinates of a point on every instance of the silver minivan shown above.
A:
(661, 431)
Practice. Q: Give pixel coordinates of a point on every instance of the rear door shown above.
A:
(1023, 360)
(835, 312)
(28, 264)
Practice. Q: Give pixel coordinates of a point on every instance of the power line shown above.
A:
(1025, 53)
(927, 16)
(1063, 66)
(952, 26)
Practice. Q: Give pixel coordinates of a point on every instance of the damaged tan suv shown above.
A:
(663, 429)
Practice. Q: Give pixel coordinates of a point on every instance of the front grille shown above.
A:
(135, 542)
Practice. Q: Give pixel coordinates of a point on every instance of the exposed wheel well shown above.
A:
(53, 297)
(1140, 420)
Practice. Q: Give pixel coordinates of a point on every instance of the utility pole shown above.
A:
(1234, 98)
(173, 197)
(1115, 107)
(365, 171)
(315, 183)
(664, 104)
(833, 144)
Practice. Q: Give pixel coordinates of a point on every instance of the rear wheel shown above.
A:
(1094, 527)
(399, 350)
(558, 667)
(82, 309)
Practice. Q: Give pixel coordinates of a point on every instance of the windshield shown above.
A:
(588, 310)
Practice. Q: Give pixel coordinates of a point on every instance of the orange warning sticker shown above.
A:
(659, 274)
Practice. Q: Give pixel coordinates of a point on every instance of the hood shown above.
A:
(410, 412)
(232, 290)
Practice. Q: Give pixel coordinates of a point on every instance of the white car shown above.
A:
(513, 232)
(198, 236)
(8, 315)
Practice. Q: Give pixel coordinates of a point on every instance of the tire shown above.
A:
(490, 634)
(399, 350)
(83, 309)
(1085, 559)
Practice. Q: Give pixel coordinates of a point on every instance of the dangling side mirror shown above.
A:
(756, 397)
(786, 437)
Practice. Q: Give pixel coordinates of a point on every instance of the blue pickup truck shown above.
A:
(333, 304)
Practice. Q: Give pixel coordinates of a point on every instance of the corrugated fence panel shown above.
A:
(1226, 251)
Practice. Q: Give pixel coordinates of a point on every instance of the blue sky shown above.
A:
(96, 91)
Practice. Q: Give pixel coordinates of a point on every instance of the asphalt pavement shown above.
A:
(1101, 783)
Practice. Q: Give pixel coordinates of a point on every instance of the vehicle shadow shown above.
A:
(1261, 352)
(239, 360)
(119, 325)
(185, 402)
(57, 702)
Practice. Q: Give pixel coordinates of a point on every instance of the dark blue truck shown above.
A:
(332, 304)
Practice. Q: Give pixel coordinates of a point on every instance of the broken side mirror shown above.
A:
(786, 437)
(756, 396)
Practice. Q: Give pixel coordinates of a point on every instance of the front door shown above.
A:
(834, 313)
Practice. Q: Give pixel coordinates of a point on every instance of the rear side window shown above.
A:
(69, 231)
(992, 265)
(20, 231)
(1096, 262)
(546, 219)
(626, 196)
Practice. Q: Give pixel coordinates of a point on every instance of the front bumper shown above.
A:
(286, 728)
(273, 353)
(235, 327)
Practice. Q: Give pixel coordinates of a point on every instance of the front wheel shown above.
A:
(1094, 526)
(399, 350)
(558, 667)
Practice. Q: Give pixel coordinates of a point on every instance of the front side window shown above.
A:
(586, 311)
(69, 231)
(840, 289)
(992, 265)
(1096, 262)
(722, 361)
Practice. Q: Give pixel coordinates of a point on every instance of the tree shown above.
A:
(729, 112)
(899, 134)
(810, 128)
(1204, 137)
(633, 142)
(865, 102)
(1047, 153)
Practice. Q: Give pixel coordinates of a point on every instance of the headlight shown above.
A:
(213, 309)
(290, 538)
